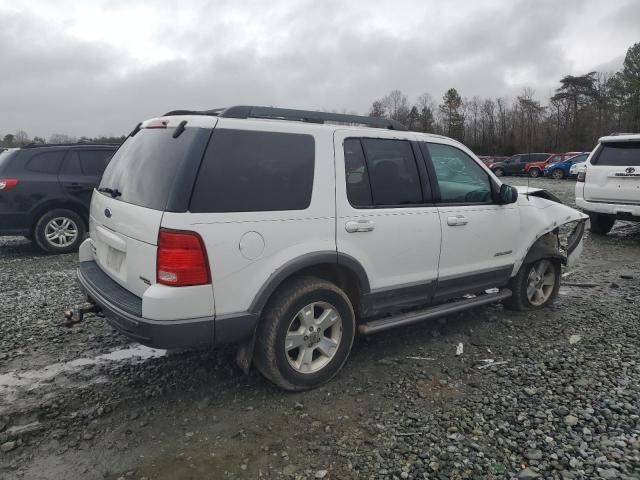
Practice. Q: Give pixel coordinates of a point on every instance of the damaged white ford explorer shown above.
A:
(286, 232)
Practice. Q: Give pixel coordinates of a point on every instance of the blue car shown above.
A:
(562, 169)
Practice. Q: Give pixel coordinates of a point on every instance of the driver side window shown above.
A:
(460, 178)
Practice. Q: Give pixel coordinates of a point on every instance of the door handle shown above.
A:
(457, 221)
(354, 226)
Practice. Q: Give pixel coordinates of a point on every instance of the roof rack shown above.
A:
(75, 144)
(246, 111)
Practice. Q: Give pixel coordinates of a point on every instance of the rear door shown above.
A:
(81, 172)
(150, 173)
(386, 218)
(613, 173)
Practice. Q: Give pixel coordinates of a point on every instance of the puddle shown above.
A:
(30, 379)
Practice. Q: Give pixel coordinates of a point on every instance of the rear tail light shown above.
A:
(581, 176)
(8, 183)
(182, 259)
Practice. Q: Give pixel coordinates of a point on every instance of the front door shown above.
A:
(478, 235)
(386, 219)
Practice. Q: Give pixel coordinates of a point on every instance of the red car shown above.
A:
(535, 169)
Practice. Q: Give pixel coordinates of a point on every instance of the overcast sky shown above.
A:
(93, 67)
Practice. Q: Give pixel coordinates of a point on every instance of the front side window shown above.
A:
(381, 172)
(94, 162)
(254, 171)
(460, 178)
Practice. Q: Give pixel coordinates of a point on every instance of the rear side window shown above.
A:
(381, 172)
(46, 162)
(89, 163)
(620, 154)
(253, 171)
(144, 168)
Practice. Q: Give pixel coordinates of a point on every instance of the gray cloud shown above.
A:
(308, 54)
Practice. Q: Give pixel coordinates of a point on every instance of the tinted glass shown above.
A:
(72, 165)
(251, 171)
(393, 173)
(144, 167)
(94, 161)
(539, 157)
(358, 188)
(5, 158)
(555, 158)
(460, 178)
(46, 162)
(623, 154)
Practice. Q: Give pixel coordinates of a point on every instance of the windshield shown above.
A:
(143, 169)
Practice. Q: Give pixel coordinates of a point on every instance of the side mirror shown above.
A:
(507, 194)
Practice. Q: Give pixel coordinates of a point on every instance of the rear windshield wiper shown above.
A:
(115, 193)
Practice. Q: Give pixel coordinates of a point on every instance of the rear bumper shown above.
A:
(620, 210)
(123, 311)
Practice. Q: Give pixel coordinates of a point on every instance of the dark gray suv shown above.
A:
(45, 191)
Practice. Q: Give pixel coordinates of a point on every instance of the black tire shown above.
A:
(518, 285)
(557, 174)
(601, 224)
(271, 357)
(498, 172)
(50, 246)
(534, 172)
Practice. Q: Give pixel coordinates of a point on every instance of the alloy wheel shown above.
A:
(313, 337)
(61, 232)
(541, 282)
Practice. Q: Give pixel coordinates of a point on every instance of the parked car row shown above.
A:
(555, 165)
(45, 192)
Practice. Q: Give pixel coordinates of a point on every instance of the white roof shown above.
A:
(628, 137)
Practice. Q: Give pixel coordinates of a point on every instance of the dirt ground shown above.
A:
(562, 399)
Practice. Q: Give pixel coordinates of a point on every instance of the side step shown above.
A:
(410, 318)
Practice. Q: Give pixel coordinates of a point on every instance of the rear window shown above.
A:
(251, 171)
(144, 168)
(621, 154)
(5, 158)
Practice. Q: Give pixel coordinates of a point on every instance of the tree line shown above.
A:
(583, 108)
(21, 139)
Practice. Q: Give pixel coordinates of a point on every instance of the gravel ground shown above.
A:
(560, 400)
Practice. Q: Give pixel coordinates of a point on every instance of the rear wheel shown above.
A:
(534, 172)
(305, 334)
(601, 224)
(557, 174)
(59, 231)
(535, 286)
(499, 172)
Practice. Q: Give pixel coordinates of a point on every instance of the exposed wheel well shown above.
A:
(54, 204)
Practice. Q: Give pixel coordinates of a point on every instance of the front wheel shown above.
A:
(305, 334)
(557, 174)
(499, 172)
(534, 172)
(601, 224)
(59, 231)
(535, 286)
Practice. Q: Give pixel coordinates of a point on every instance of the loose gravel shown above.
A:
(548, 394)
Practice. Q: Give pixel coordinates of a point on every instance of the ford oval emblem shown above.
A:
(107, 213)
(630, 170)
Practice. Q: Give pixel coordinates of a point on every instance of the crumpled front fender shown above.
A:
(548, 228)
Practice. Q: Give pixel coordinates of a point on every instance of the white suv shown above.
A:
(609, 186)
(287, 231)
